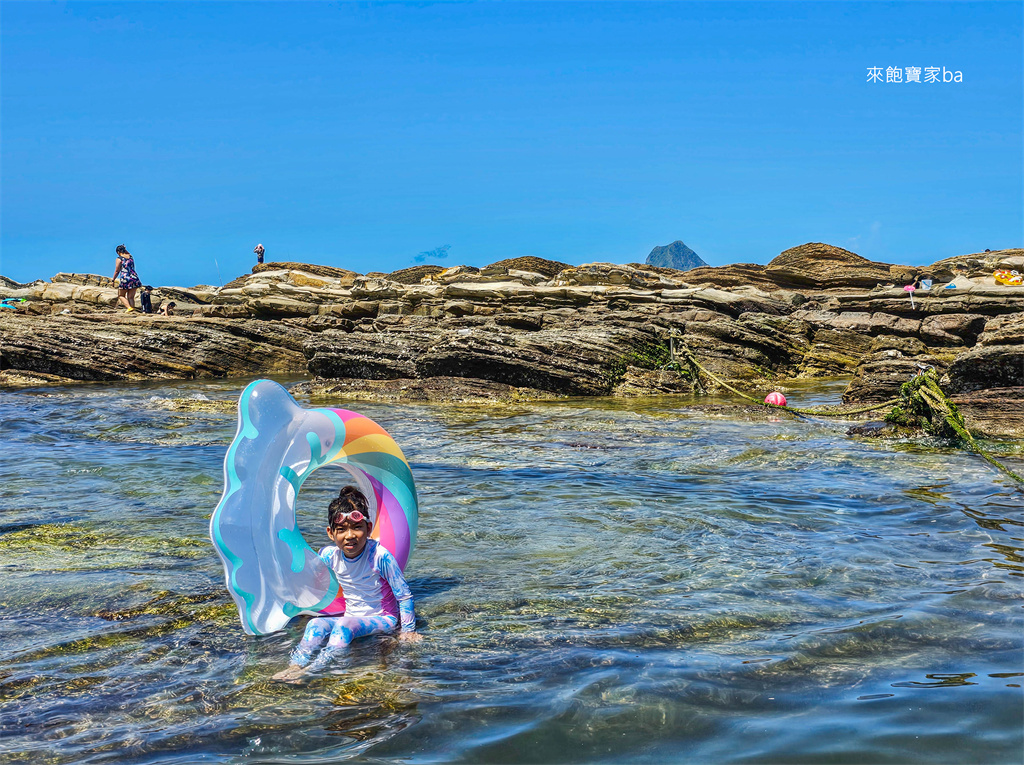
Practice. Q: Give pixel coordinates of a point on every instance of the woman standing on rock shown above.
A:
(125, 266)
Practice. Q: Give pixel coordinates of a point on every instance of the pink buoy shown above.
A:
(775, 398)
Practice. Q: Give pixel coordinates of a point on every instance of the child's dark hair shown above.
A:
(348, 500)
(147, 288)
(121, 250)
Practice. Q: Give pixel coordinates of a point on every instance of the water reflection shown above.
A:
(939, 680)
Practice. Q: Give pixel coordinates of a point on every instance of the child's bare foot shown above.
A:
(291, 674)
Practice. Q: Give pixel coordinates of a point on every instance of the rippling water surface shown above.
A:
(597, 581)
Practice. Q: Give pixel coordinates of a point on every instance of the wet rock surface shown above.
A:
(532, 328)
(433, 390)
(874, 430)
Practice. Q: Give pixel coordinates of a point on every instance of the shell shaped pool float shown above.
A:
(272, 574)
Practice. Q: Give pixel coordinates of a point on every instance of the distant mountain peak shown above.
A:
(676, 255)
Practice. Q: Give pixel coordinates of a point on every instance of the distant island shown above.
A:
(676, 255)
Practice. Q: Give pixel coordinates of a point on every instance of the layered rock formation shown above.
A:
(105, 346)
(530, 328)
(821, 266)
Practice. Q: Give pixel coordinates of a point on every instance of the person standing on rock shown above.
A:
(259, 253)
(124, 266)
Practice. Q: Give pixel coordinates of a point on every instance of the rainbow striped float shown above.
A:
(272, 574)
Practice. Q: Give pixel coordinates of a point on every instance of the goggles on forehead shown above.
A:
(355, 516)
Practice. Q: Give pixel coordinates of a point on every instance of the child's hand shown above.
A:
(410, 637)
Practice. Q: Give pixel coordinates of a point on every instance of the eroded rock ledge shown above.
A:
(527, 328)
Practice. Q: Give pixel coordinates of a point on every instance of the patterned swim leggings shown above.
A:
(338, 632)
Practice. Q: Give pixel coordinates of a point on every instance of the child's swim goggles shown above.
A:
(355, 516)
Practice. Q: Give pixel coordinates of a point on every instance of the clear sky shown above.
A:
(360, 135)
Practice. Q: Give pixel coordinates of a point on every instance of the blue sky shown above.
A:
(360, 135)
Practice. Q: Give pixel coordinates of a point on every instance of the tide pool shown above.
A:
(597, 581)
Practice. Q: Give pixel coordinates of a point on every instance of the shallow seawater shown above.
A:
(596, 581)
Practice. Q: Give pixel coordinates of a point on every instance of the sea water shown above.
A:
(596, 581)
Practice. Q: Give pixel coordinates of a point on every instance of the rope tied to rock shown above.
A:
(819, 411)
(921, 399)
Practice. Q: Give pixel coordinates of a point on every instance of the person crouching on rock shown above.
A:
(146, 298)
(124, 266)
(166, 309)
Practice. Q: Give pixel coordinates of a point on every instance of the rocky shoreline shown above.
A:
(527, 329)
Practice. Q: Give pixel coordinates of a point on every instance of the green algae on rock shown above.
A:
(66, 543)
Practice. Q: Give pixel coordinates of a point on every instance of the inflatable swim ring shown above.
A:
(272, 574)
(1008, 278)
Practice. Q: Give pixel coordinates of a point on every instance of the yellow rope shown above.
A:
(937, 400)
(928, 388)
(830, 411)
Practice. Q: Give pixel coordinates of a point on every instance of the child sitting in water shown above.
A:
(375, 591)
